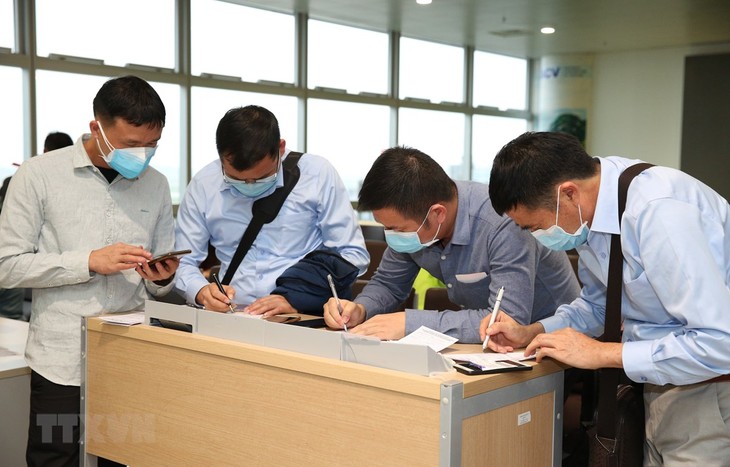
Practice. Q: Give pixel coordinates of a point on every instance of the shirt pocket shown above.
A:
(640, 295)
(471, 290)
(471, 278)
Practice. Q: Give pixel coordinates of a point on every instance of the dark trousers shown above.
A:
(53, 431)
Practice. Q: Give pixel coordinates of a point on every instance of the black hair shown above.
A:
(131, 99)
(56, 140)
(246, 135)
(406, 180)
(528, 169)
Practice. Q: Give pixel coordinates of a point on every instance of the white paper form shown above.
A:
(124, 319)
(427, 336)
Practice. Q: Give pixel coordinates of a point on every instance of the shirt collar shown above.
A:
(462, 229)
(80, 157)
(605, 218)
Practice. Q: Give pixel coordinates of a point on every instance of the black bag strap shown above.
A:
(609, 378)
(265, 210)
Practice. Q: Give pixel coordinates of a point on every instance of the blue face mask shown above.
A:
(409, 242)
(254, 188)
(129, 162)
(556, 238)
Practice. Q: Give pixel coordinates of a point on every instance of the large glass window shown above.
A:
(500, 81)
(7, 25)
(438, 134)
(233, 40)
(352, 143)
(347, 58)
(65, 103)
(11, 121)
(209, 106)
(141, 32)
(431, 71)
(489, 134)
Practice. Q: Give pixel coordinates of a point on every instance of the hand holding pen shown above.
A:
(337, 299)
(223, 291)
(495, 312)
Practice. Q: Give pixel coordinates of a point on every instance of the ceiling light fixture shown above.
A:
(423, 2)
(547, 30)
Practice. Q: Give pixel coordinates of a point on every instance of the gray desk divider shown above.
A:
(416, 359)
(304, 340)
(167, 311)
(233, 327)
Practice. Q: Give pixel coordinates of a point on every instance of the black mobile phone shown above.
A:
(171, 254)
(499, 366)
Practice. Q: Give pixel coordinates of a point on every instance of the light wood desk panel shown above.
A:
(161, 397)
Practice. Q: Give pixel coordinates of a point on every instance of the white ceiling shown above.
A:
(512, 27)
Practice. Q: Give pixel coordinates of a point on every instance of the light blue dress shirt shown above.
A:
(675, 237)
(317, 214)
(486, 251)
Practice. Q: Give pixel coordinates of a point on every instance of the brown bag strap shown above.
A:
(609, 378)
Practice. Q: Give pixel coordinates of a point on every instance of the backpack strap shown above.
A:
(264, 211)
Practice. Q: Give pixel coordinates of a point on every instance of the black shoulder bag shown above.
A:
(617, 439)
(264, 211)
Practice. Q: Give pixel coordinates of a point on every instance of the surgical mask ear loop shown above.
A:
(106, 141)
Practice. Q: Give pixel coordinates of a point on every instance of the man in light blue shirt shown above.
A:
(675, 240)
(216, 208)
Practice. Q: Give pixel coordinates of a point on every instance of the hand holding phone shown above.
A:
(169, 255)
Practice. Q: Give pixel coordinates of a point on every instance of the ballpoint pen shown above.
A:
(337, 299)
(223, 291)
(495, 312)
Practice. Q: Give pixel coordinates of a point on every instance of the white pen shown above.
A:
(495, 311)
(337, 299)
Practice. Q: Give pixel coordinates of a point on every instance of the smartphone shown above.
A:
(171, 254)
(500, 366)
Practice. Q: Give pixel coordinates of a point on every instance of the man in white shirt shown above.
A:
(78, 227)
(675, 241)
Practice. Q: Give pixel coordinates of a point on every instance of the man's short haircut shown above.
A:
(131, 99)
(56, 140)
(528, 169)
(406, 180)
(246, 135)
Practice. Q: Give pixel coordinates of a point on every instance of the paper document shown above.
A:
(427, 336)
(124, 319)
(248, 315)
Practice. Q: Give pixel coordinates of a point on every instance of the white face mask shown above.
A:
(556, 238)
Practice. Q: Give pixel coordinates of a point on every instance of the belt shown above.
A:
(719, 379)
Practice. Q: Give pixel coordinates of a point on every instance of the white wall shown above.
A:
(637, 106)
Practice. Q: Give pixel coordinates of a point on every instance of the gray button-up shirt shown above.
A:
(59, 208)
(486, 251)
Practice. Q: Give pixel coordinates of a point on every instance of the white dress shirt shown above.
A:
(58, 209)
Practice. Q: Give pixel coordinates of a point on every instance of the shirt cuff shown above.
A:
(553, 323)
(638, 363)
(369, 305)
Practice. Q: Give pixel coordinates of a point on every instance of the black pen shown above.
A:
(223, 291)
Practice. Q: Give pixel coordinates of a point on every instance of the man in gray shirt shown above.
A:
(462, 241)
(78, 227)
